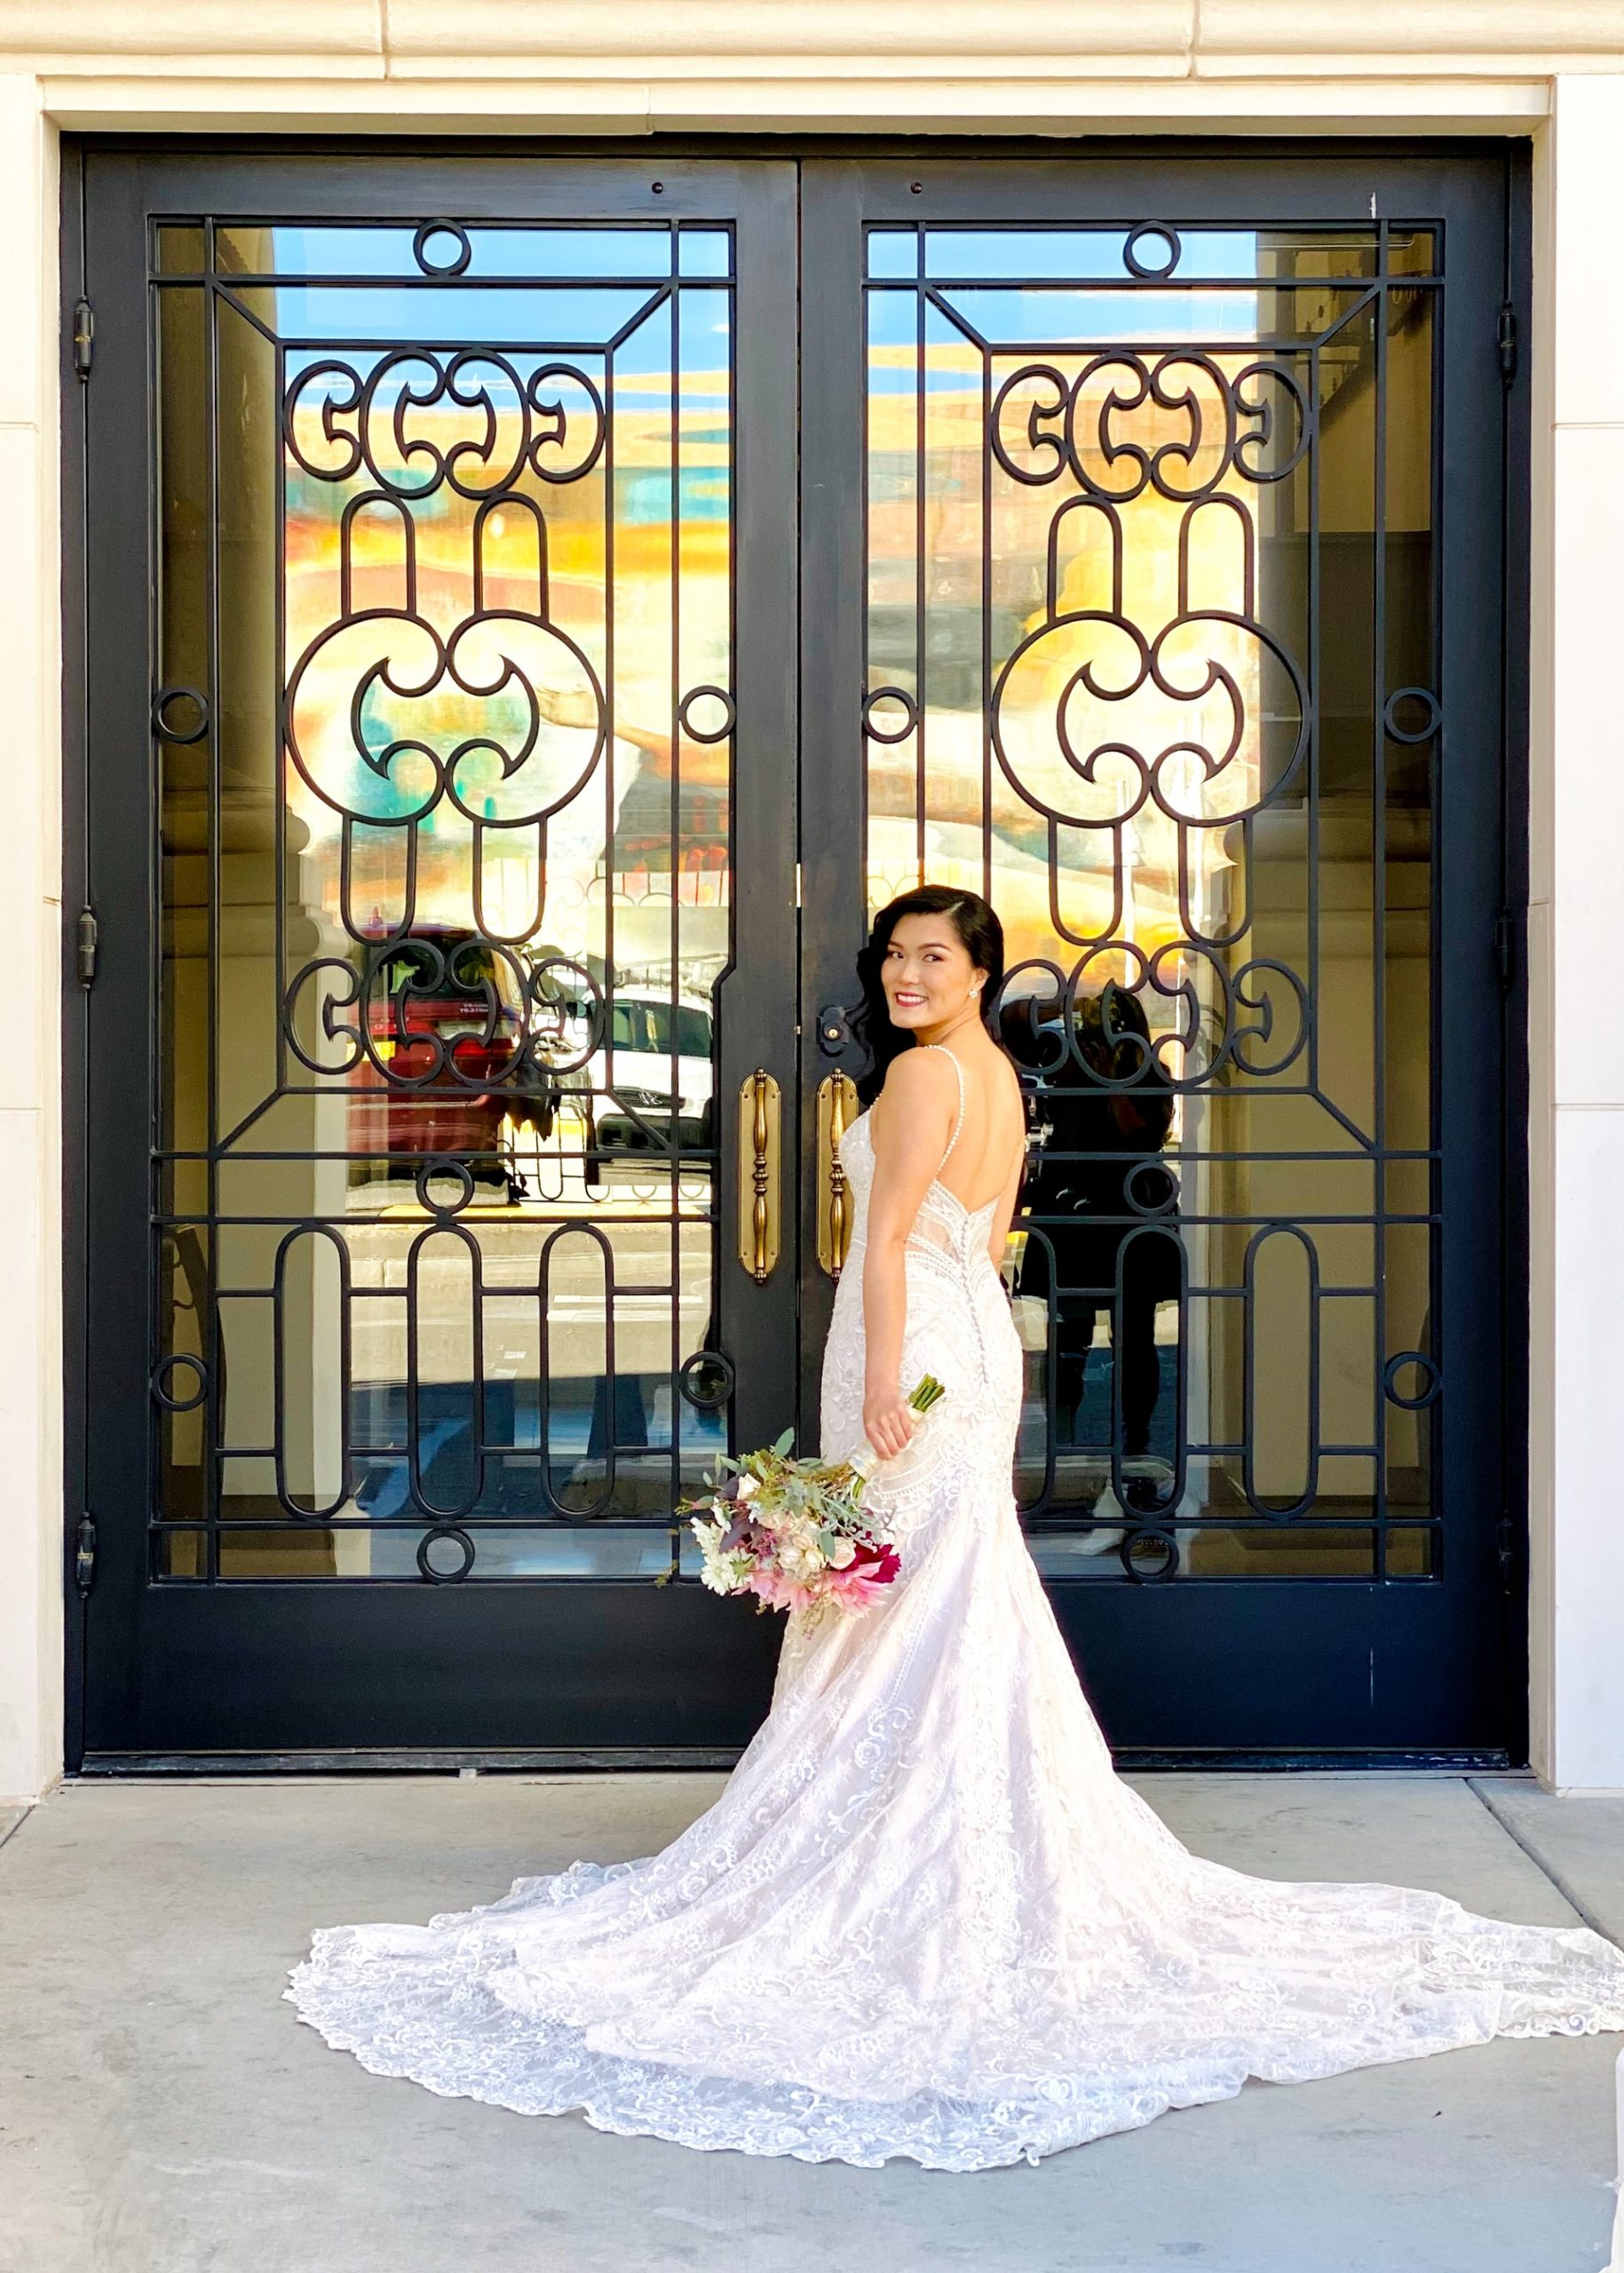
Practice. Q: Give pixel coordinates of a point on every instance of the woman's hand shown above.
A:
(888, 1421)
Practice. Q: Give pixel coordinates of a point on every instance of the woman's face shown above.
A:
(927, 973)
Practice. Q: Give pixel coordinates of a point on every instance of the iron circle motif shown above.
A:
(707, 1379)
(1432, 711)
(1147, 234)
(164, 725)
(163, 1391)
(441, 1166)
(431, 1570)
(428, 230)
(706, 694)
(1147, 1541)
(1162, 1196)
(910, 713)
(1427, 1367)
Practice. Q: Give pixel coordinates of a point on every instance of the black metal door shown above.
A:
(440, 827)
(440, 587)
(1154, 587)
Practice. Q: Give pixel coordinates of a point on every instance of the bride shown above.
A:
(926, 1918)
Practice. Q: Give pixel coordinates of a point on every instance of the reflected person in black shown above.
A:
(1106, 1108)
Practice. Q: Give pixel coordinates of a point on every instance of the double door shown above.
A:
(535, 611)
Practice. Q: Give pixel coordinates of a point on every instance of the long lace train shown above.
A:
(926, 1918)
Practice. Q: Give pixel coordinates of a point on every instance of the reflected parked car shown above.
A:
(654, 1083)
(444, 1018)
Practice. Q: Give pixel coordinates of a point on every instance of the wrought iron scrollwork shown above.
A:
(368, 759)
(442, 1188)
(375, 419)
(1188, 767)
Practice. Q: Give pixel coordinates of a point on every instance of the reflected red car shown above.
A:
(442, 1019)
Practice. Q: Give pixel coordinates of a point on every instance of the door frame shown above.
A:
(821, 821)
(1201, 1623)
(159, 1670)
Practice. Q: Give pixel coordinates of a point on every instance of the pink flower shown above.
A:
(874, 1565)
(778, 1592)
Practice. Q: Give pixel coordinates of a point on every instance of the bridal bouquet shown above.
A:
(793, 1533)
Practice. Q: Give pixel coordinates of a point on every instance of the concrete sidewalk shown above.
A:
(162, 2111)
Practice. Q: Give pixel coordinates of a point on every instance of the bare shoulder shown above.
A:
(920, 1087)
(919, 1077)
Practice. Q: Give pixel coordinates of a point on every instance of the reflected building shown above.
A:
(1124, 607)
(465, 880)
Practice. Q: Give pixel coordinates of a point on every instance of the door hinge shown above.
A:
(1508, 942)
(1505, 1548)
(84, 337)
(84, 1554)
(89, 938)
(1506, 340)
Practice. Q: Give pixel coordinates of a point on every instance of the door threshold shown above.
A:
(99, 1767)
(1140, 1761)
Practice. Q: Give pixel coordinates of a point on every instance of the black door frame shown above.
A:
(1334, 181)
(1452, 1671)
(161, 1666)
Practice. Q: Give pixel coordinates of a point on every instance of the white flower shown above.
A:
(722, 1573)
(843, 1552)
(748, 1487)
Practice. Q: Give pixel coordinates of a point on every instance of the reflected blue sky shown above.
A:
(530, 326)
(635, 251)
(1016, 321)
(486, 304)
(1085, 256)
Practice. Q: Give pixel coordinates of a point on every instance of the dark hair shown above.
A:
(981, 936)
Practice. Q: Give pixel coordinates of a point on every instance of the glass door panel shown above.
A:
(1150, 646)
(465, 917)
(449, 722)
(1100, 570)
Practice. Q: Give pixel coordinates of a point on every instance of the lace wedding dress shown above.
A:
(925, 1918)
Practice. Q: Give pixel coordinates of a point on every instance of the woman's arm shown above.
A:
(910, 1128)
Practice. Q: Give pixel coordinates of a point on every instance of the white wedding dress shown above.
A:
(925, 1918)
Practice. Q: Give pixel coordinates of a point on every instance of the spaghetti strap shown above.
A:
(959, 1123)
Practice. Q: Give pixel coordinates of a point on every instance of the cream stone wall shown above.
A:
(30, 867)
(1576, 1021)
(1552, 70)
(1017, 65)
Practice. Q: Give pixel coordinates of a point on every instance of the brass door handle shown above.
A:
(760, 1174)
(836, 1111)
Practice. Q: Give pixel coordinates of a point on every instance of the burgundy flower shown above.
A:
(875, 1560)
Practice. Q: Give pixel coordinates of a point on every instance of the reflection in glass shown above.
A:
(1150, 548)
(446, 888)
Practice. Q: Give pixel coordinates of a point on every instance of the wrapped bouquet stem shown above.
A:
(795, 1533)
